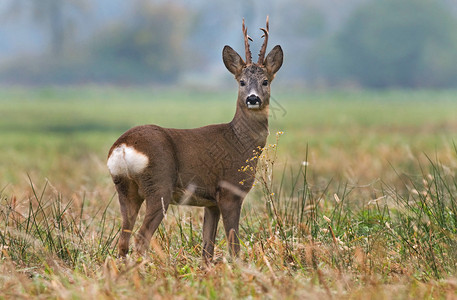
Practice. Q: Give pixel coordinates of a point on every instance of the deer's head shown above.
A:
(253, 78)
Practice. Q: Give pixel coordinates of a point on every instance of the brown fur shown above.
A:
(203, 162)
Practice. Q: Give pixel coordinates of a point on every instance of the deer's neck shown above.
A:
(250, 127)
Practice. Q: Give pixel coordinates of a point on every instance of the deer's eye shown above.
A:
(242, 83)
(265, 83)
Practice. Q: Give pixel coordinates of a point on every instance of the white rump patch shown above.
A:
(125, 160)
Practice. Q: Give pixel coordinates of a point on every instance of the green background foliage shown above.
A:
(403, 43)
(368, 43)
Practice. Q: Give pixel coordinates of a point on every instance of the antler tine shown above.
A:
(247, 38)
(265, 42)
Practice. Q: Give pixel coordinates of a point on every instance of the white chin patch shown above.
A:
(253, 106)
(126, 161)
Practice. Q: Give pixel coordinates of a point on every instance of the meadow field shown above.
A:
(355, 198)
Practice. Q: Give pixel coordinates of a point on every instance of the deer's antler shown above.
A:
(247, 38)
(265, 42)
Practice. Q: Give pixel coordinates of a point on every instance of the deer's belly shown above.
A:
(189, 197)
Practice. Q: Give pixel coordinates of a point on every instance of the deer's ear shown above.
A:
(273, 61)
(232, 61)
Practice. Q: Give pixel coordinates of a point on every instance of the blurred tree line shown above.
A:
(392, 43)
(368, 43)
(56, 16)
(146, 47)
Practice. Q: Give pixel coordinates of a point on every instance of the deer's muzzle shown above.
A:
(253, 102)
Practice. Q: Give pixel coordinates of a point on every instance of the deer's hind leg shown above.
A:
(158, 197)
(130, 202)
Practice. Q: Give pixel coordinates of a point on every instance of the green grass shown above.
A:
(372, 213)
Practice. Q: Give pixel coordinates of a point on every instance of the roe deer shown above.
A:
(198, 167)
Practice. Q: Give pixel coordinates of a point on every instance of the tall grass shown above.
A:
(426, 220)
(50, 228)
(410, 228)
(326, 235)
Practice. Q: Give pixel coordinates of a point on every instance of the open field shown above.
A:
(372, 212)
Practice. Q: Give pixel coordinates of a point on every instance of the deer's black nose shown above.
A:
(253, 101)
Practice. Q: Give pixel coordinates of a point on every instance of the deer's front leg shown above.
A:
(212, 215)
(230, 207)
